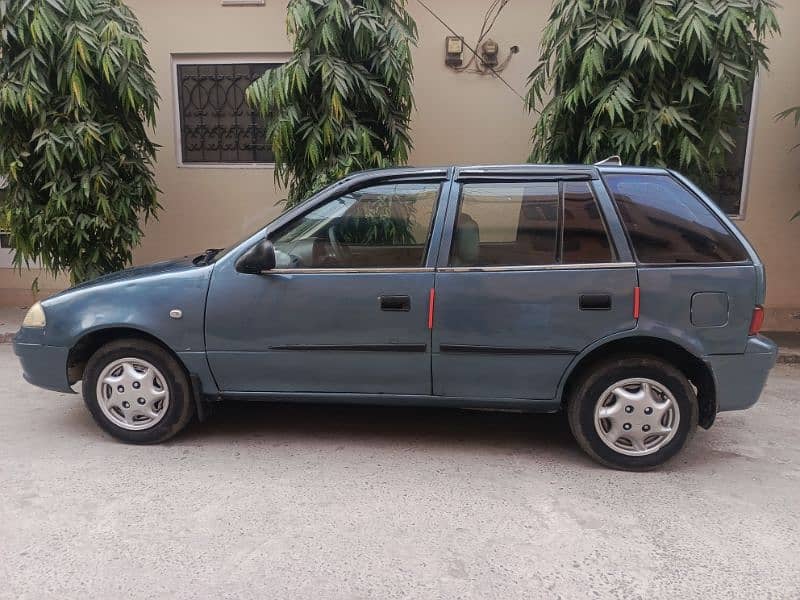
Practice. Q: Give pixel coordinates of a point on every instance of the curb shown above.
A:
(788, 358)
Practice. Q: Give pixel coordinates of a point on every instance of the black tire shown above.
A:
(588, 391)
(177, 414)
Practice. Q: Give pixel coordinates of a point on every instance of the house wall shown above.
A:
(460, 118)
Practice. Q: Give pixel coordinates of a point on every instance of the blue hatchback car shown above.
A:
(622, 296)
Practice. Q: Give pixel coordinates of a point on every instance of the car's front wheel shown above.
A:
(137, 391)
(633, 412)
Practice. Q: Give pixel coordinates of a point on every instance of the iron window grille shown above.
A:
(216, 123)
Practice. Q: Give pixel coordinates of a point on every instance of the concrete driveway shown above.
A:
(275, 501)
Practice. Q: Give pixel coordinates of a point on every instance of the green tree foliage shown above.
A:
(76, 93)
(343, 102)
(387, 219)
(658, 82)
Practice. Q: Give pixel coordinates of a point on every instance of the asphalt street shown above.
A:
(280, 501)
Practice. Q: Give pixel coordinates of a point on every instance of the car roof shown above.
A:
(505, 171)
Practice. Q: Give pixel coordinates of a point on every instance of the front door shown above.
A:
(346, 308)
(530, 280)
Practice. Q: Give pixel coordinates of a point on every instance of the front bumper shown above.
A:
(44, 366)
(740, 378)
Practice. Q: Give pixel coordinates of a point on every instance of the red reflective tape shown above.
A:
(636, 301)
(431, 299)
(757, 321)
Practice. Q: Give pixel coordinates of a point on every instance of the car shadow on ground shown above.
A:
(545, 436)
(356, 423)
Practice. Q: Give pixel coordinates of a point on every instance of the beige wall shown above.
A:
(774, 190)
(16, 287)
(461, 118)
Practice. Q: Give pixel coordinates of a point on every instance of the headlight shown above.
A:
(35, 317)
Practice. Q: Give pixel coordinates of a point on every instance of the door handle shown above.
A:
(396, 303)
(595, 302)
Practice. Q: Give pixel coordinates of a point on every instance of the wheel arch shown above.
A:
(91, 341)
(695, 369)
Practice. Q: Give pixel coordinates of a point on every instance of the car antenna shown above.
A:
(615, 160)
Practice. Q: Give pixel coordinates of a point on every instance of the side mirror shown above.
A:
(258, 259)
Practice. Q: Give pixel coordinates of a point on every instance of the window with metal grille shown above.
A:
(216, 123)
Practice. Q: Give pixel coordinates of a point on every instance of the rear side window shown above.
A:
(506, 224)
(585, 237)
(528, 223)
(668, 224)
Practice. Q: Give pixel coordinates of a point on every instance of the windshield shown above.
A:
(223, 251)
(228, 248)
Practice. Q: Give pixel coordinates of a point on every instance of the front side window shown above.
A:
(385, 226)
(668, 224)
(528, 223)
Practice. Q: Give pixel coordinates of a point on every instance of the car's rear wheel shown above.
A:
(137, 391)
(632, 412)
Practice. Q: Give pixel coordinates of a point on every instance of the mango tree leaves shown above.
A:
(76, 96)
(343, 102)
(658, 82)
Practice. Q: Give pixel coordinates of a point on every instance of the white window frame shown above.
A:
(6, 256)
(214, 59)
(748, 153)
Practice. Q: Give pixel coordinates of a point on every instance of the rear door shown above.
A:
(527, 277)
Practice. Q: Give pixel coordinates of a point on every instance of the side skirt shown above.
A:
(517, 404)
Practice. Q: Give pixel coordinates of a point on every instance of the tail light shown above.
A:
(757, 321)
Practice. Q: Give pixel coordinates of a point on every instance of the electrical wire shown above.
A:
(484, 32)
(481, 69)
(471, 49)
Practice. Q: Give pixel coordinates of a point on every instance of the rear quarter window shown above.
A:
(668, 224)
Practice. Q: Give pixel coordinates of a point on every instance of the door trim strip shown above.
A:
(475, 349)
(353, 347)
(321, 271)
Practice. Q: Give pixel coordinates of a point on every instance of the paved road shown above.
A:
(271, 501)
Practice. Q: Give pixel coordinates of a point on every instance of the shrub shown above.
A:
(343, 102)
(76, 93)
(658, 82)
